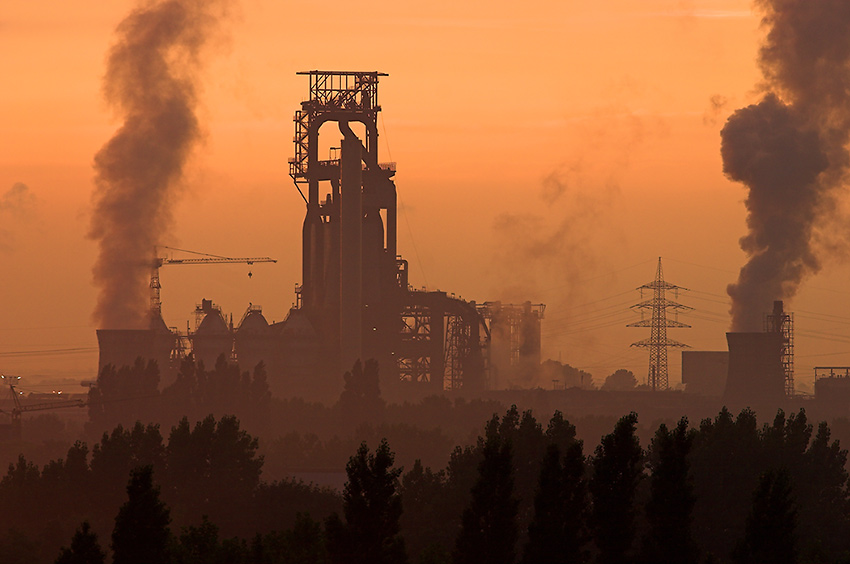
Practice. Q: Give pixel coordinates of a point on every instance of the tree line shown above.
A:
(727, 490)
(208, 471)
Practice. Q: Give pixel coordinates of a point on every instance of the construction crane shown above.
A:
(18, 409)
(206, 258)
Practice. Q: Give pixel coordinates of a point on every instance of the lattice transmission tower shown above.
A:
(658, 343)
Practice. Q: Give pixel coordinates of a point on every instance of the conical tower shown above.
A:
(658, 343)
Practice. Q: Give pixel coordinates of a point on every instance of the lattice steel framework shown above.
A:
(416, 329)
(456, 347)
(781, 322)
(333, 94)
(658, 343)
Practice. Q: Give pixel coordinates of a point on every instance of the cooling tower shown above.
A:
(121, 347)
(756, 375)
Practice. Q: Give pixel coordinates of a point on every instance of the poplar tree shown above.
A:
(141, 534)
(489, 532)
(372, 509)
(770, 534)
(617, 470)
(84, 548)
(669, 510)
(557, 534)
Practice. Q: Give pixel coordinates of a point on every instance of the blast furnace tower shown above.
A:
(354, 289)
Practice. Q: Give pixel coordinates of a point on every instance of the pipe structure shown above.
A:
(351, 250)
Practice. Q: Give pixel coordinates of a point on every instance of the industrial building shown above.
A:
(704, 372)
(354, 301)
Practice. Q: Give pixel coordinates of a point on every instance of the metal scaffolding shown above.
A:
(781, 322)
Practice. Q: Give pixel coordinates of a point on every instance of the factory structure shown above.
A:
(354, 301)
(757, 369)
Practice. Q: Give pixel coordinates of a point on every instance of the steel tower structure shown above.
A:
(781, 322)
(658, 343)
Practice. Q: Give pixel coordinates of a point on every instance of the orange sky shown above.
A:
(484, 103)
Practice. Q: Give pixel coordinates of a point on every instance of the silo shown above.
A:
(253, 340)
(213, 337)
(298, 347)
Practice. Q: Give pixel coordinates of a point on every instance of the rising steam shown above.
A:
(790, 150)
(152, 82)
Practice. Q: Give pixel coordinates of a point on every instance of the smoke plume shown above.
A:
(152, 82)
(17, 203)
(790, 150)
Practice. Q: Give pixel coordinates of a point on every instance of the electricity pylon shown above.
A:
(658, 343)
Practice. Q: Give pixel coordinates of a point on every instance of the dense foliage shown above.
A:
(517, 490)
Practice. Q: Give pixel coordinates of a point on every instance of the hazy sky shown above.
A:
(546, 150)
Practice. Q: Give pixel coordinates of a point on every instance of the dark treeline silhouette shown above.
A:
(131, 393)
(727, 490)
(702, 494)
(296, 435)
(207, 470)
(518, 490)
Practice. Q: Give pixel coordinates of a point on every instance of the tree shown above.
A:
(770, 535)
(423, 520)
(84, 548)
(141, 534)
(199, 545)
(621, 380)
(213, 469)
(669, 510)
(616, 473)
(117, 454)
(567, 376)
(304, 543)
(372, 509)
(825, 515)
(360, 399)
(132, 386)
(557, 533)
(489, 531)
(726, 462)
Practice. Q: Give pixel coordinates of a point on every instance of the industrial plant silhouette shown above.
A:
(354, 301)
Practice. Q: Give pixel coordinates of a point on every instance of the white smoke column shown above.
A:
(790, 150)
(152, 82)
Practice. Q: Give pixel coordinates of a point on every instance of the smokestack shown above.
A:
(789, 150)
(351, 250)
(152, 82)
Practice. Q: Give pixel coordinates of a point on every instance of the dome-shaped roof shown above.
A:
(253, 322)
(213, 324)
(297, 326)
